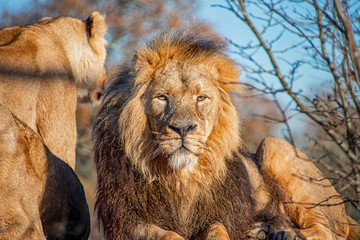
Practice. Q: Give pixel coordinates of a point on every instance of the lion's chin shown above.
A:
(182, 159)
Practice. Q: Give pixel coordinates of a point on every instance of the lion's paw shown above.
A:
(172, 236)
(282, 235)
(259, 231)
(262, 231)
(277, 235)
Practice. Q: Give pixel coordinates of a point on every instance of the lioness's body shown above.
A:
(40, 194)
(23, 174)
(44, 68)
(312, 203)
(171, 163)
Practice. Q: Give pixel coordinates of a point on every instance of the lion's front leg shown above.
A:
(215, 231)
(153, 232)
(262, 231)
(259, 231)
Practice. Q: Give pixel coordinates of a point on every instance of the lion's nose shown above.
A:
(182, 128)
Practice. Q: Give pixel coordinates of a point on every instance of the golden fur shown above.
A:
(46, 68)
(40, 195)
(169, 156)
(133, 122)
(22, 181)
(314, 206)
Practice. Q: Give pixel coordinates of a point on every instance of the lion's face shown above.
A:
(176, 113)
(181, 111)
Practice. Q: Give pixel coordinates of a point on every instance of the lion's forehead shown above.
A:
(180, 77)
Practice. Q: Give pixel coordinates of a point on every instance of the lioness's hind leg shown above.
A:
(20, 182)
(18, 225)
(311, 201)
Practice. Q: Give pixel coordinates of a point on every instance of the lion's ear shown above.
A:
(96, 28)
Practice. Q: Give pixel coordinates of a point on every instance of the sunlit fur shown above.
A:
(133, 124)
(46, 68)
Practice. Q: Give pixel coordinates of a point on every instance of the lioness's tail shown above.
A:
(353, 229)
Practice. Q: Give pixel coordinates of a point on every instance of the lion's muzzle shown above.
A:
(182, 128)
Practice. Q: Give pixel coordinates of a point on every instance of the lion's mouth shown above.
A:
(182, 149)
(179, 154)
(171, 146)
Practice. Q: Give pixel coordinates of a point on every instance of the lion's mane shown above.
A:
(125, 99)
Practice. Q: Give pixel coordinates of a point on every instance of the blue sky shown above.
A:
(14, 5)
(229, 26)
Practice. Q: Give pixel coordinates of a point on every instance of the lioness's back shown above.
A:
(7, 35)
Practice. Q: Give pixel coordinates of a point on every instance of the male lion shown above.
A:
(45, 68)
(171, 163)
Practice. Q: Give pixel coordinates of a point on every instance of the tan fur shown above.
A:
(170, 160)
(45, 68)
(161, 59)
(40, 195)
(353, 229)
(312, 203)
(216, 231)
(22, 181)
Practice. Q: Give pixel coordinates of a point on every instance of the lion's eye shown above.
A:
(161, 97)
(201, 98)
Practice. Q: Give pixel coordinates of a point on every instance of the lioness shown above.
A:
(171, 162)
(45, 68)
(40, 195)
